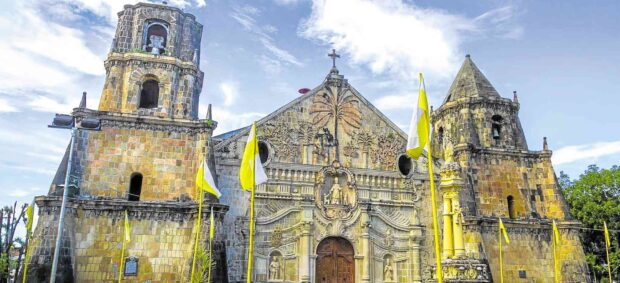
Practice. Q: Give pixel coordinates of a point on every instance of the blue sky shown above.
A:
(561, 56)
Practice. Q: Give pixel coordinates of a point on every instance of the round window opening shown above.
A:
(263, 151)
(405, 164)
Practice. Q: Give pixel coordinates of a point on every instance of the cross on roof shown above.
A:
(334, 56)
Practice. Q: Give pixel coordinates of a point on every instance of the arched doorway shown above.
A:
(334, 261)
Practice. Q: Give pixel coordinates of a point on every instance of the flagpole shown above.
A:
(200, 193)
(122, 265)
(210, 245)
(501, 262)
(29, 240)
(555, 259)
(434, 206)
(251, 248)
(607, 242)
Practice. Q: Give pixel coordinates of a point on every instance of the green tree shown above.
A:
(594, 198)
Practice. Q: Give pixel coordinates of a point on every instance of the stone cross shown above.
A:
(334, 56)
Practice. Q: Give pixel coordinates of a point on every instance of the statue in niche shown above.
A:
(388, 270)
(157, 44)
(335, 193)
(274, 268)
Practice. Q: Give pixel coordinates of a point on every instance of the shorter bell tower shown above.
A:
(153, 65)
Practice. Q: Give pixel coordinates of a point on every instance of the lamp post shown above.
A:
(62, 121)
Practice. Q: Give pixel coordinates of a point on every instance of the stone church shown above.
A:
(343, 202)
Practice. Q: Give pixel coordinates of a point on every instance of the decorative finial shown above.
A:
(515, 99)
(467, 56)
(334, 56)
(545, 146)
(431, 108)
(83, 101)
(209, 115)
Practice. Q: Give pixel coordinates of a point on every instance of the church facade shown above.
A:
(343, 202)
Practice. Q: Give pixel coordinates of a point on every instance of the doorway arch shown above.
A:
(334, 261)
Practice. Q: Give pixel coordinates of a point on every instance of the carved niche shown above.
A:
(335, 191)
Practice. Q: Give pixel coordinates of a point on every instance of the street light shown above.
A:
(64, 121)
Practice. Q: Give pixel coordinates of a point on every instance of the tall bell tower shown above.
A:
(153, 65)
(141, 163)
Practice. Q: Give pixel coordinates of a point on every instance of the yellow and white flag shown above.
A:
(251, 172)
(556, 234)
(127, 229)
(502, 228)
(30, 215)
(607, 239)
(212, 225)
(204, 180)
(419, 128)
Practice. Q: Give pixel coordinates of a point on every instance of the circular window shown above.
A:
(263, 151)
(405, 164)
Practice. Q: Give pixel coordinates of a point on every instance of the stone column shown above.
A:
(414, 257)
(365, 251)
(451, 184)
(305, 244)
(448, 247)
(457, 229)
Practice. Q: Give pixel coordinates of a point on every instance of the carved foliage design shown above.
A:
(341, 106)
(388, 147)
(282, 139)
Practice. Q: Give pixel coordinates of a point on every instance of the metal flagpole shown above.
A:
(251, 248)
(200, 193)
(63, 207)
(501, 262)
(434, 200)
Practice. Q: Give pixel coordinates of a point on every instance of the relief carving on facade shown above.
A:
(388, 147)
(336, 192)
(282, 140)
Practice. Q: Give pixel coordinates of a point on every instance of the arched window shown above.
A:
(440, 136)
(496, 127)
(155, 38)
(511, 207)
(135, 187)
(149, 95)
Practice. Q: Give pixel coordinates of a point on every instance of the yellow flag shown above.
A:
(204, 180)
(29, 214)
(127, 229)
(251, 172)
(556, 234)
(419, 128)
(212, 225)
(503, 229)
(607, 240)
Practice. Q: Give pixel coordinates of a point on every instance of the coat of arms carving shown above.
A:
(336, 192)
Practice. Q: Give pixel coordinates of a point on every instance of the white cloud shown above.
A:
(5, 106)
(230, 93)
(574, 153)
(25, 192)
(390, 102)
(394, 36)
(46, 104)
(287, 2)
(109, 8)
(246, 17)
(230, 120)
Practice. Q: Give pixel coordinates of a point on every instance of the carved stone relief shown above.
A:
(336, 192)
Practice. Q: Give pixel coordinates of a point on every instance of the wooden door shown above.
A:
(334, 262)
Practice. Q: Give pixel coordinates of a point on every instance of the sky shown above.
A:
(560, 56)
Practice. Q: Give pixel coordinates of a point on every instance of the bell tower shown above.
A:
(153, 65)
(473, 114)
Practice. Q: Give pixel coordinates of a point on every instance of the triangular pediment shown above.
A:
(331, 121)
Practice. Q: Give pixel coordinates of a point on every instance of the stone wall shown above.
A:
(529, 251)
(166, 154)
(162, 239)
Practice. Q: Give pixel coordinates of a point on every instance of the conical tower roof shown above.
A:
(470, 82)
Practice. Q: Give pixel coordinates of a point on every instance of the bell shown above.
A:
(496, 132)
